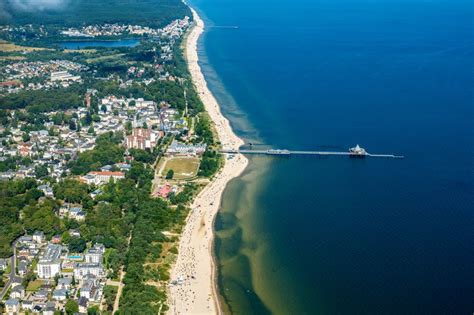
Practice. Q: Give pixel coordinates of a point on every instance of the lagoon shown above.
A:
(100, 44)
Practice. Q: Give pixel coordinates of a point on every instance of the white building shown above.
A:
(12, 306)
(98, 178)
(77, 214)
(18, 292)
(178, 148)
(90, 289)
(63, 76)
(83, 269)
(50, 263)
(38, 237)
(3, 264)
(95, 254)
(60, 294)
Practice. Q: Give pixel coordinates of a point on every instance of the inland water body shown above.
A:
(100, 43)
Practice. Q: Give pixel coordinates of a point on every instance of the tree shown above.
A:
(95, 118)
(66, 237)
(71, 190)
(58, 118)
(41, 171)
(41, 217)
(71, 307)
(209, 164)
(72, 125)
(108, 150)
(142, 155)
(25, 137)
(128, 127)
(93, 310)
(56, 279)
(88, 119)
(170, 174)
(77, 245)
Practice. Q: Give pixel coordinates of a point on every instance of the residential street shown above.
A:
(12, 272)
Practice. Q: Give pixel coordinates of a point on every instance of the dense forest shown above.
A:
(13, 197)
(154, 13)
(108, 150)
(45, 100)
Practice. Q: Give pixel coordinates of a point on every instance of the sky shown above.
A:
(6, 7)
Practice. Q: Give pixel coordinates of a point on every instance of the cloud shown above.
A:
(4, 15)
(36, 5)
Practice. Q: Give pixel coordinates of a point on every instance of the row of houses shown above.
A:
(85, 282)
(47, 75)
(178, 148)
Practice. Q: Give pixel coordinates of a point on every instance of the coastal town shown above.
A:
(73, 135)
(178, 157)
(174, 29)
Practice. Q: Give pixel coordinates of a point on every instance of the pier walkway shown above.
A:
(315, 153)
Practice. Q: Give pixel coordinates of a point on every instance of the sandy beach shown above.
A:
(195, 291)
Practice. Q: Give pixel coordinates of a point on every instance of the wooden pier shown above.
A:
(279, 152)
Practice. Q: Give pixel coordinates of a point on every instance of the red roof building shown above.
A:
(142, 138)
(10, 83)
(164, 191)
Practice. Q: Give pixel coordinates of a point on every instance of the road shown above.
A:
(12, 272)
(119, 291)
(121, 285)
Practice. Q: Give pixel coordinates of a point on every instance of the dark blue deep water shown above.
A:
(338, 235)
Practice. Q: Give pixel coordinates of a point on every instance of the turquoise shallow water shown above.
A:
(337, 235)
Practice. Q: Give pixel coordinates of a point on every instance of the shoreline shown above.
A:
(195, 268)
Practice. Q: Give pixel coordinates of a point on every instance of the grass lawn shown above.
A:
(183, 167)
(80, 51)
(34, 285)
(12, 58)
(8, 47)
(105, 58)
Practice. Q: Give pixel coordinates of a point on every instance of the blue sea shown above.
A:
(334, 235)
